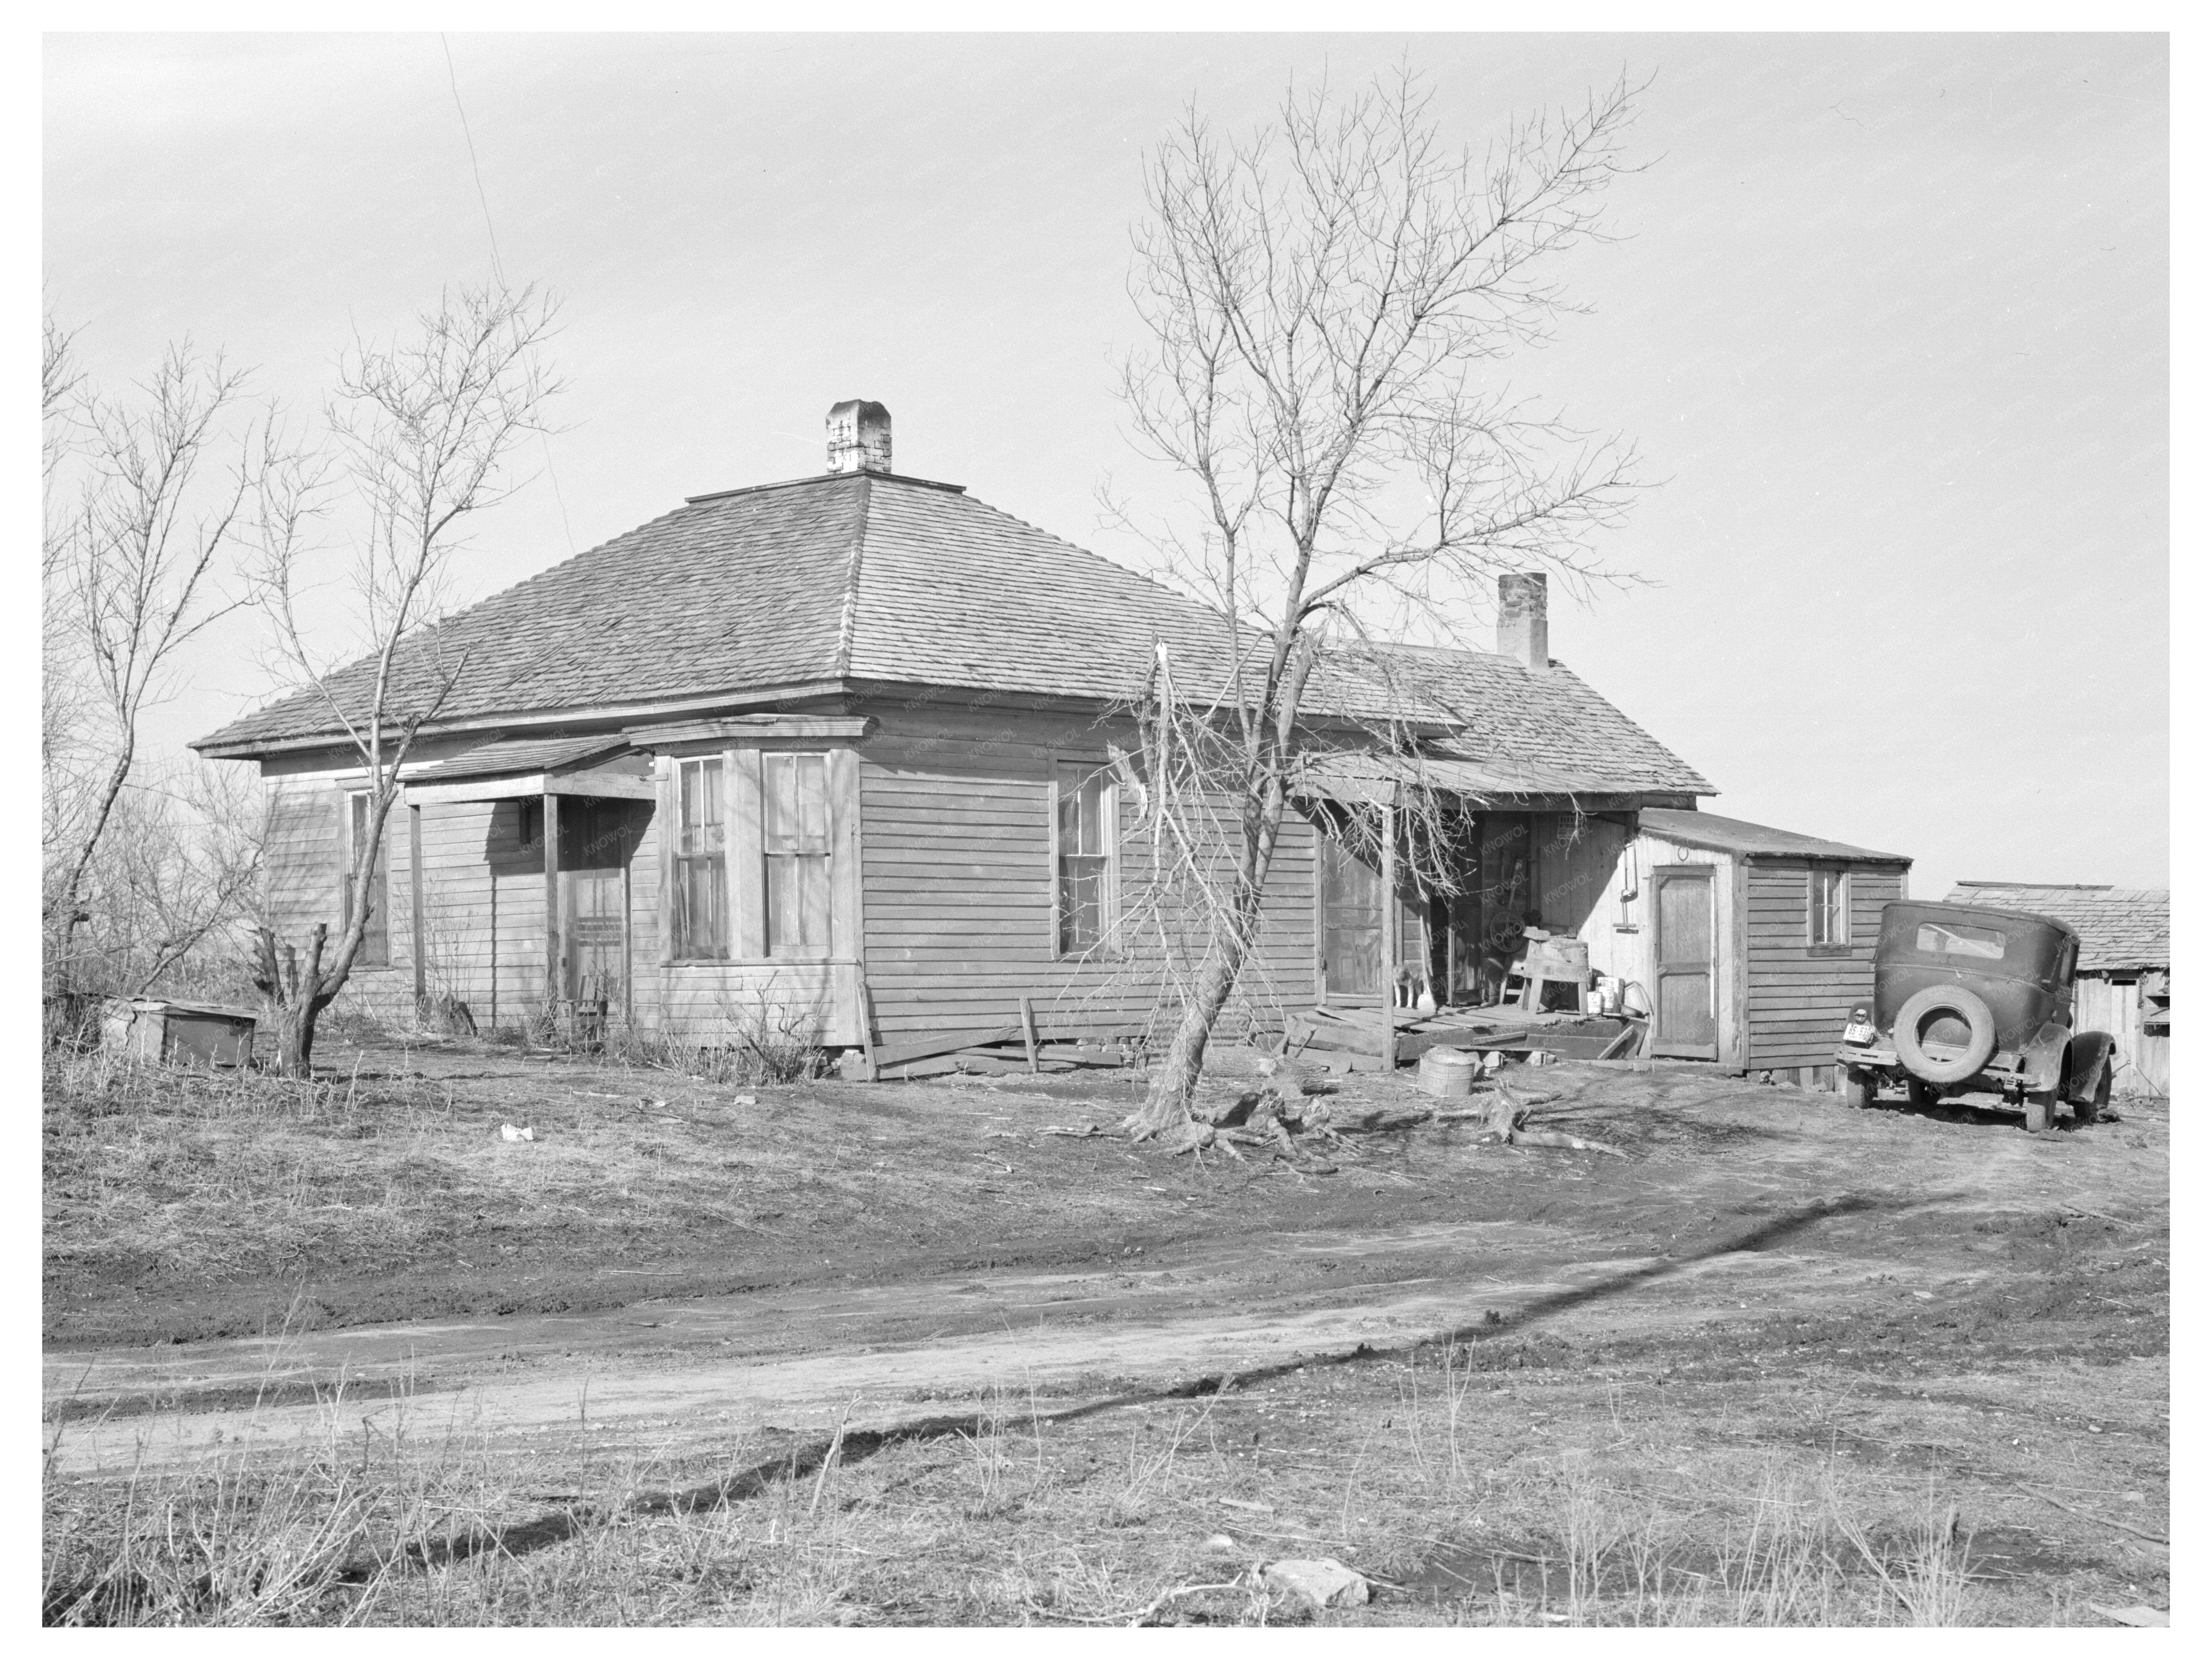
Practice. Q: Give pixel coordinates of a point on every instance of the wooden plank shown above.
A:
(945, 1043)
(1029, 1032)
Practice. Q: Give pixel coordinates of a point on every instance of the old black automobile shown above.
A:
(1971, 999)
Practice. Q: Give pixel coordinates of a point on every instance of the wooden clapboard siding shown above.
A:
(710, 1003)
(457, 906)
(1798, 998)
(303, 884)
(957, 885)
(300, 857)
(2113, 1005)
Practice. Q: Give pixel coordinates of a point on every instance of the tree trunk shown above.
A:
(295, 1038)
(296, 995)
(1167, 1106)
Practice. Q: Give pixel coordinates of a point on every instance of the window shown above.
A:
(1082, 849)
(699, 922)
(1830, 904)
(795, 846)
(1957, 940)
(376, 937)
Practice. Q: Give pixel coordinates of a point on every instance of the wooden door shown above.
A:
(596, 841)
(1351, 924)
(1682, 957)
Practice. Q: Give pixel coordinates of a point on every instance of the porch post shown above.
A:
(552, 839)
(1391, 929)
(415, 891)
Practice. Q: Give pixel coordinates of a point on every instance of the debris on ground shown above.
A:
(2141, 1617)
(1327, 1583)
(508, 1132)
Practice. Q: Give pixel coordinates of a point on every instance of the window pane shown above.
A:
(778, 786)
(1959, 939)
(798, 904)
(795, 803)
(810, 811)
(1082, 903)
(701, 811)
(700, 922)
(1094, 816)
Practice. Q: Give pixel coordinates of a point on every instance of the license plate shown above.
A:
(1858, 1031)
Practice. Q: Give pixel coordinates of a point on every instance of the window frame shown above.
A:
(681, 945)
(376, 939)
(826, 857)
(1084, 769)
(1816, 915)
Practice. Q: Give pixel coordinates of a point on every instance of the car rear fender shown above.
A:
(2088, 1052)
(2043, 1059)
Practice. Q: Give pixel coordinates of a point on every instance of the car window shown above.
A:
(1956, 939)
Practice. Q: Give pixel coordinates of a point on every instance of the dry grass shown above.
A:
(1577, 1512)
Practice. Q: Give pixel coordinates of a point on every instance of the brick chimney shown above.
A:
(1524, 631)
(860, 437)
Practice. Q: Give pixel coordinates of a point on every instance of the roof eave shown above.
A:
(214, 748)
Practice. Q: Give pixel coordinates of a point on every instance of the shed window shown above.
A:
(1830, 907)
(699, 926)
(795, 846)
(1084, 843)
(375, 937)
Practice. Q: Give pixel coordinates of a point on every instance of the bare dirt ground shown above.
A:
(1063, 1377)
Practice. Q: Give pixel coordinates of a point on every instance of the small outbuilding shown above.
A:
(1750, 944)
(2122, 979)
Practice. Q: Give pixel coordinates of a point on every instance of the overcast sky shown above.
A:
(1888, 318)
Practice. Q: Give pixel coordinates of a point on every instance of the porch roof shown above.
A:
(510, 766)
(1365, 779)
(505, 755)
(1716, 834)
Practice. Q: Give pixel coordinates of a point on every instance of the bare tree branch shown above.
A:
(1326, 305)
(422, 433)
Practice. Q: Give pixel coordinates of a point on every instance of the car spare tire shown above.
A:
(1959, 1007)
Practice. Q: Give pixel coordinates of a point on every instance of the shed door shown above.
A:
(1352, 923)
(1683, 955)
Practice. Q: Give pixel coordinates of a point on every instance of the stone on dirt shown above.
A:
(1327, 1583)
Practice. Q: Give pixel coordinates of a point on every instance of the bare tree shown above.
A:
(172, 882)
(131, 577)
(422, 435)
(1328, 303)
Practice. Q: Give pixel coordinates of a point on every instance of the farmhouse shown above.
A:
(832, 754)
(2122, 979)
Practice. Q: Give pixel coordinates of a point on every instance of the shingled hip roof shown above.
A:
(2121, 927)
(845, 581)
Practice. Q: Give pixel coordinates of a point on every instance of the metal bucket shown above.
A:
(1449, 1073)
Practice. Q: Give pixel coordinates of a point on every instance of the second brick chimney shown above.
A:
(860, 437)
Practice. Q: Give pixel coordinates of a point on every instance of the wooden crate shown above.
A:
(165, 1033)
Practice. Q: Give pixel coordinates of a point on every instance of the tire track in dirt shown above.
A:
(474, 1378)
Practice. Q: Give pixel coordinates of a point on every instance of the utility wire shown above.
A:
(475, 171)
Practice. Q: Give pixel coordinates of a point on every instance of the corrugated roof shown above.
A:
(1718, 834)
(2120, 927)
(866, 578)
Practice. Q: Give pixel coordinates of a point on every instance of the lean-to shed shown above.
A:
(2123, 979)
(1751, 942)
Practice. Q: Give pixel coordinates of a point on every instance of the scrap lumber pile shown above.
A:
(1352, 1039)
(1310, 1133)
(1026, 1046)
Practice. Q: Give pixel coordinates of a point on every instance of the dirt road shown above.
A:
(1742, 1208)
